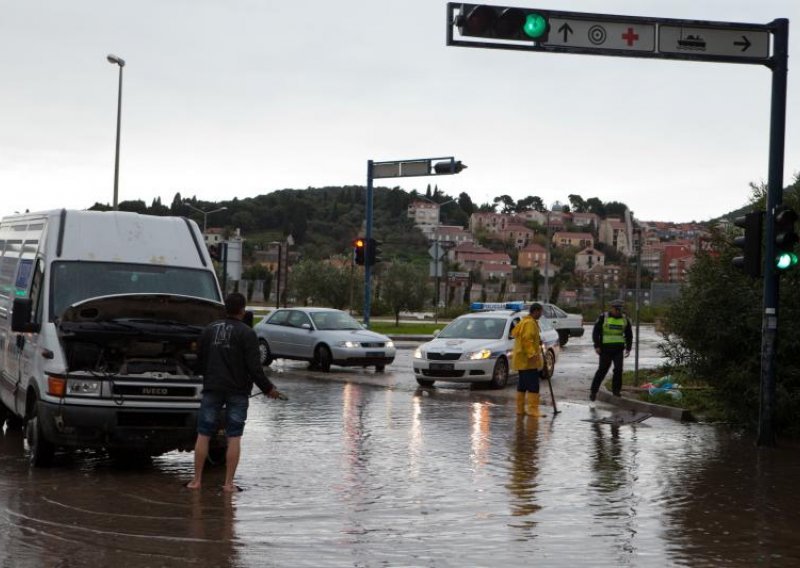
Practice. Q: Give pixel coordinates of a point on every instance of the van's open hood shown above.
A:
(163, 307)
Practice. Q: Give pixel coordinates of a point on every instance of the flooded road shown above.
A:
(363, 469)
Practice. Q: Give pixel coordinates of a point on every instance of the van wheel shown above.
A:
(216, 455)
(499, 374)
(264, 354)
(13, 423)
(323, 358)
(41, 449)
(424, 382)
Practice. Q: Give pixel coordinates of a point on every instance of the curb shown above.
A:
(679, 414)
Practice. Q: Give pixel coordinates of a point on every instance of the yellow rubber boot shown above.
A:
(532, 404)
(520, 403)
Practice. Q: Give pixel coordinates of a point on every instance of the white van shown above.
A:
(100, 313)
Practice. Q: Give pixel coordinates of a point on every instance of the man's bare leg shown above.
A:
(231, 462)
(200, 455)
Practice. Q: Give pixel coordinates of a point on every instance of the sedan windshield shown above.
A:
(334, 320)
(474, 328)
(76, 281)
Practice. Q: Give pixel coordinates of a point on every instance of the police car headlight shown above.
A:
(482, 354)
(418, 354)
(83, 387)
(349, 344)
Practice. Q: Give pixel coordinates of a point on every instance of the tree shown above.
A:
(509, 205)
(594, 205)
(530, 203)
(465, 204)
(577, 203)
(713, 330)
(404, 288)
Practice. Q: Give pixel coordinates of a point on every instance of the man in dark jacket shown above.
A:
(612, 335)
(229, 362)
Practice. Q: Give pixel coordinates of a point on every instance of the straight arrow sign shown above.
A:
(566, 29)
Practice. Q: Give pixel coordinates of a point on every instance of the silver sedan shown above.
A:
(322, 336)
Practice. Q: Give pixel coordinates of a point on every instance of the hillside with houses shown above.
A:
(579, 257)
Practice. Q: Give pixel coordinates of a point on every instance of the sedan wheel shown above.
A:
(323, 358)
(549, 364)
(499, 374)
(264, 354)
(424, 383)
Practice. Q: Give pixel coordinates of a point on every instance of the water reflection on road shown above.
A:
(352, 472)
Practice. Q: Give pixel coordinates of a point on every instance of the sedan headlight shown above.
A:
(349, 344)
(418, 354)
(83, 387)
(482, 354)
(390, 345)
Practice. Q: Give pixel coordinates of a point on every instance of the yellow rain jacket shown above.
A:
(527, 351)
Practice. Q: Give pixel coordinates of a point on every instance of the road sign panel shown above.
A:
(411, 168)
(436, 250)
(435, 268)
(601, 35)
(705, 41)
(627, 36)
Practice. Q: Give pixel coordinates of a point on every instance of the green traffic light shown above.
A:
(535, 26)
(786, 260)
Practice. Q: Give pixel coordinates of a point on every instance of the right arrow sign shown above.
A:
(709, 41)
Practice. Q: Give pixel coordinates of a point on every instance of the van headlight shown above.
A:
(482, 354)
(83, 387)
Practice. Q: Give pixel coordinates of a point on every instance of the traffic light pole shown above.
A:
(396, 169)
(769, 323)
(368, 236)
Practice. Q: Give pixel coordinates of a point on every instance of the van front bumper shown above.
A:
(145, 430)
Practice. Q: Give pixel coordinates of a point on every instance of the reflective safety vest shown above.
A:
(614, 330)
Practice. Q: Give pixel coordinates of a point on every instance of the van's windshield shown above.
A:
(72, 282)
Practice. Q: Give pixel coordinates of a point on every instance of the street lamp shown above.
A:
(205, 213)
(114, 60)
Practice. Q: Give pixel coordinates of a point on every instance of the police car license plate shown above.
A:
(441, 366)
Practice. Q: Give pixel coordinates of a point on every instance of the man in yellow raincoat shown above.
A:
(526, 358)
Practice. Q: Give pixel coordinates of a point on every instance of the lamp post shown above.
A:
(114, 60)
(205, 213)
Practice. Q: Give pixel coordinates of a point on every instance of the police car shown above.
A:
(476, 347)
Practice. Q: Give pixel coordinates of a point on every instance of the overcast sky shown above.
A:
(238, 98)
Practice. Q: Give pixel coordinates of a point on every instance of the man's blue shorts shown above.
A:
(528, 380)
(235, 405)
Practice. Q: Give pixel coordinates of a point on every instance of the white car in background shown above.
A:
(476, 348)
(322, 336)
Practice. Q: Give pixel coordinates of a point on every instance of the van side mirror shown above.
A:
(21, 316)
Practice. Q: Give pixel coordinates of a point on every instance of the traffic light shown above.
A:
(359, 250)
(373, 252)
(449, 167)
(503, 23)
(785, 237)
(750, 243)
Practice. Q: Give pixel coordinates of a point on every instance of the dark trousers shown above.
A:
(528, 380)
(608, 356)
